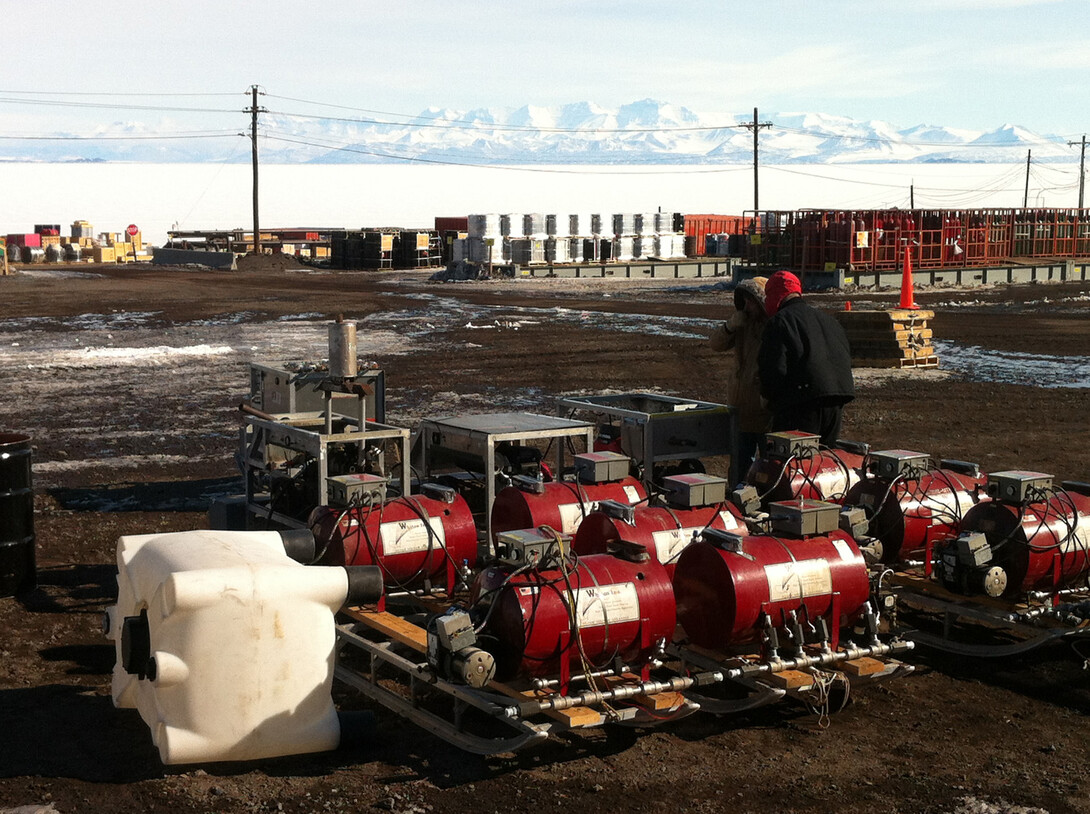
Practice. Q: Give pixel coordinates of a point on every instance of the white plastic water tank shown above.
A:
(225, 645)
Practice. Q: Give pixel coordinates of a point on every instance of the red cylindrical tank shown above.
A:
(908, 515)
(621, 609)
(561, 505)
(722, 595)
(411, 538)
(1040, 546)
(664, 532)
(827, 475)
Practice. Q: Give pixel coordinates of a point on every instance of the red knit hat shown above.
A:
(779, 285)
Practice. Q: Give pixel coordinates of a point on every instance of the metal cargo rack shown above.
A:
(1016, 626)
(311, 434)
(657, 428)
(382, 655)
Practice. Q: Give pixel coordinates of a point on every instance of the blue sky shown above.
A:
(973, 64)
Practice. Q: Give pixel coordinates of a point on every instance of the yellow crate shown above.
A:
(51, 240)
(104, 254)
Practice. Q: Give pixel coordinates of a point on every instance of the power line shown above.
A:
(142, 137)
(99, 106)
(103, 93)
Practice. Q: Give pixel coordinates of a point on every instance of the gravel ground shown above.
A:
(128, 381)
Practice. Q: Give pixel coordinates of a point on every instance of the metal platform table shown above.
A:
(479, 435)
(658, 428)
(304, 432)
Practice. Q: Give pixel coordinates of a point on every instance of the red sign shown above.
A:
(132, 231)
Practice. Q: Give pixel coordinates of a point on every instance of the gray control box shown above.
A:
(694, 490)
(1016, 485)
(802, 518)
(894, 463)
(601, 467)
(356, 489)
(526, 547)
(791, 443)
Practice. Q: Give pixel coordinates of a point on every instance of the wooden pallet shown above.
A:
(897, 338)
(898, 362)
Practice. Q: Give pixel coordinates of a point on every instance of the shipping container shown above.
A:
(30, 241)
(877, 240)
(453, 224)
(699, 226)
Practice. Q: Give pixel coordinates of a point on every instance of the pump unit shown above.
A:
(1037, 541)
(793, 466)
(586, 611)
(413, 539)
(728, 593)
(664, 530)
(910, 503)
(564, 504)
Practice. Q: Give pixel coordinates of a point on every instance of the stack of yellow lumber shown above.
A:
(898, 337)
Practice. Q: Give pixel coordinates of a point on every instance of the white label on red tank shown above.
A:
(669, 543)
(633, 494)
(607, 604)
(946, 506)
(729, 520)
(797, 580)
(835, 481)
(409, 536)
(845, 550)
(572, 514)
(1080, 535)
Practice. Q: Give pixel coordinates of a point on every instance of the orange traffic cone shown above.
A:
(907, 300)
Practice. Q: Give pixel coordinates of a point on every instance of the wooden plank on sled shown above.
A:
(790, 680)
(393, 626)
(659, 702)
(866, 666)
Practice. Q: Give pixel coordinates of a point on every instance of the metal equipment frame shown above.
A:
(479, 434)
(298, 432)
(655, 445)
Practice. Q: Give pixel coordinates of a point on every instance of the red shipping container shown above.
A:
(34, 240)
(700, 226)
(451, 224)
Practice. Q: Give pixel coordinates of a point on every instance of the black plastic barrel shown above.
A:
(18, 572)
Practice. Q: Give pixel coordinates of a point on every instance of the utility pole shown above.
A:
(1025, 197)
(253, 110)
(912, 195)
(755, 126)
(1082, 166)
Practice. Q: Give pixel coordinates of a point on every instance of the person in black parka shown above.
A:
(805, 364)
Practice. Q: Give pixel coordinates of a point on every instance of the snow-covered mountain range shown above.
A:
(643, 132)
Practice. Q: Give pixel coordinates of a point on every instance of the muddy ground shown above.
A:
(128, 381)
